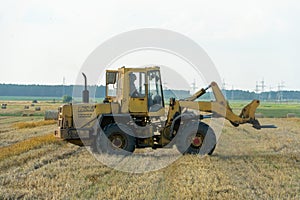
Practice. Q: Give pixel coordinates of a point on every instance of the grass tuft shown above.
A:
(21, 125)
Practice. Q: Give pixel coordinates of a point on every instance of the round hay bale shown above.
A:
(3, 106)
(51, 114)
(37, 108)
(259, 115)
(291, 115)
(24, 115)
(26, 107)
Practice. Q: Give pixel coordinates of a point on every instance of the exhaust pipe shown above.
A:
(85, 92)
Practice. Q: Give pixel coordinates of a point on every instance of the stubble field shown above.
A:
(247, 164)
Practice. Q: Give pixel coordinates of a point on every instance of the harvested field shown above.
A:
(10, 134)
(247, 164)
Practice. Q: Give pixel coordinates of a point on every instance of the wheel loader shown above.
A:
(134, 115)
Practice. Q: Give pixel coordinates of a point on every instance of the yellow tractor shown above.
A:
(133, 115)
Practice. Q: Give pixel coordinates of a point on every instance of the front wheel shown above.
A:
(115, 139)
(196, 138)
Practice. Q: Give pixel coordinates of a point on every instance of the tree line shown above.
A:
(46, 90)
(99, 92)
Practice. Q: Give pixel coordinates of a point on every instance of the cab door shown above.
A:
(137, 93)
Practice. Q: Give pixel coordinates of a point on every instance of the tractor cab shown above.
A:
(138, 91)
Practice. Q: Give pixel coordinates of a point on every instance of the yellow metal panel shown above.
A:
(138, 105)
(82, 114)
(103, 108)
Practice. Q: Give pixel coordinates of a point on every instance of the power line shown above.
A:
(256, 87)
(260, 87)
(224, 85)
(224, 88)
(280, 93)
(194, 87)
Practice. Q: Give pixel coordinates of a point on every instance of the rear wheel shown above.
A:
(197, 140)
(115, 139)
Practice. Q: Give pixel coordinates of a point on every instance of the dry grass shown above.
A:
(247, 164)
(26, 145)
(21, 125)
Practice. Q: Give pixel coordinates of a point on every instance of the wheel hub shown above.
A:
(117, 142)
(197, 141)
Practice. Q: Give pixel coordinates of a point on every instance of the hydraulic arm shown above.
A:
(221, 108)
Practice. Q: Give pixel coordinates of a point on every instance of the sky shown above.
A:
(44, 42)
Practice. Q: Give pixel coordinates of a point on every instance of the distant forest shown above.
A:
(99, 91)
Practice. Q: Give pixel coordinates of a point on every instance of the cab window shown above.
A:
(137, 84)
(154, 89)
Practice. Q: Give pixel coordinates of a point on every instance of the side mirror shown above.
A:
(111, 77)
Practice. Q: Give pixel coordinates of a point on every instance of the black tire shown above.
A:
(115, 140)
(196, 140)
